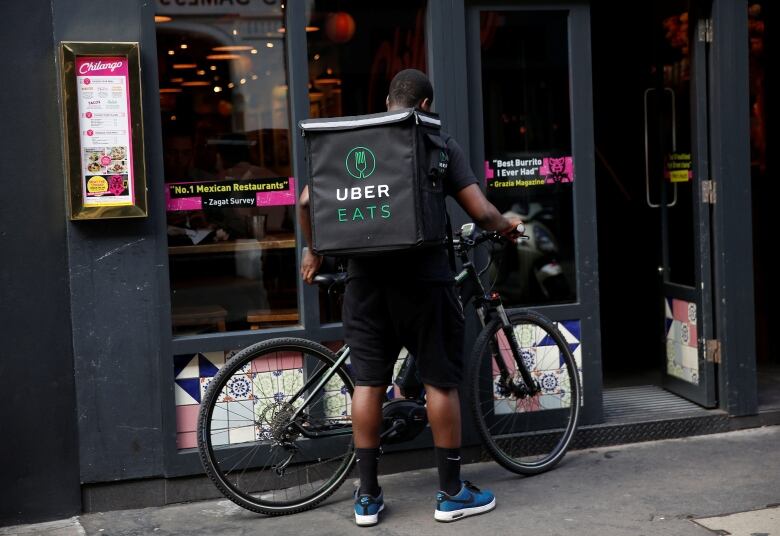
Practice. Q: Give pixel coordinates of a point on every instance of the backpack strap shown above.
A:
(450, 245)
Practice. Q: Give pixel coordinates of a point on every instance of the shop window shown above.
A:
(354, 50)
(230, 194)
(529, 168)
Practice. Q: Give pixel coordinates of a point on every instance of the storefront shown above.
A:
(625, 146)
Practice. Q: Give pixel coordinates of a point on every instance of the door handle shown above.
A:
(647, 144)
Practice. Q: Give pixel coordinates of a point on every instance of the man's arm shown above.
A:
(484, 213)
(311, 262)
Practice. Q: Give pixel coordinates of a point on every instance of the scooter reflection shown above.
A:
(529, 271)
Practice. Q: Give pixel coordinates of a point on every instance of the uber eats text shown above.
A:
(366, 209)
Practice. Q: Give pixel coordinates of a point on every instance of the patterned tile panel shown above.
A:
(260, 385)
(541, 356)
(682, 352)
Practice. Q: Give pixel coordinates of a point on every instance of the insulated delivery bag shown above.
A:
(376, 182)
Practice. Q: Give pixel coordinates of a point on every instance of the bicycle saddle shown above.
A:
(328, 280)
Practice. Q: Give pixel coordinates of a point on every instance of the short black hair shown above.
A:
(409, 87)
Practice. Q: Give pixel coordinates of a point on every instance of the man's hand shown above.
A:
(310, 265)
(511, 230)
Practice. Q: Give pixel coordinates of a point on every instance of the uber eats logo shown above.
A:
(360, 163)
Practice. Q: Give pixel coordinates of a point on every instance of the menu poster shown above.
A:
(105, 131)
(528, 171)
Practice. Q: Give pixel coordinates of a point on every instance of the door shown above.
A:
(677, 187)
(530, 106)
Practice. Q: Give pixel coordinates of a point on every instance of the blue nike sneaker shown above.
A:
(367, 508)
(469, 501)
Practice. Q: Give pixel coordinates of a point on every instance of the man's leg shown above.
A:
(366, 424)
(444, 415)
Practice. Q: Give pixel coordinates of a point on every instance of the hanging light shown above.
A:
(223, 57)
(232, 48)
(340, 27)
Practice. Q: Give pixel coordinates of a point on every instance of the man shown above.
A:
(408, 299)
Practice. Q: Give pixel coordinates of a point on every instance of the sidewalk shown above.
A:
(648, 489)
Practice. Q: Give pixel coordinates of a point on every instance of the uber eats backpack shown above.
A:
(376, 182)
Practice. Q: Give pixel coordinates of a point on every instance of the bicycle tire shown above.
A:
(267, 421)
(522, 431)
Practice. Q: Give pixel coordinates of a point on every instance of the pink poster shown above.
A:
(528, 171)
(105, 131)
(230, 193)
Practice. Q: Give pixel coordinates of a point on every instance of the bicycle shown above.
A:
(274, 429)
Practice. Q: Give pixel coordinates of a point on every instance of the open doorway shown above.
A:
(628, 237)
(651, 138)
(762, 19)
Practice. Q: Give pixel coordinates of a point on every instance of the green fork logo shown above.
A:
(360, 162)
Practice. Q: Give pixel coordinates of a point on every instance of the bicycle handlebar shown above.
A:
(467, 243)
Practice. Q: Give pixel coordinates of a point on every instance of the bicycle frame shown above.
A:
(487, 305)
(321, 378)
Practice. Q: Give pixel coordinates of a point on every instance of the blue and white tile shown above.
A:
(241, 413)
(219, 418)
(547, 358)
(187, 391)
(220, 425)
(239, 387)
(244, 434)
(209, 363)
(186, 366)
(550, 381)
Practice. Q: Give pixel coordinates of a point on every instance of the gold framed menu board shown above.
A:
(104, 142)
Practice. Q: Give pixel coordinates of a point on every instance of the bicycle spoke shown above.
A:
(525, 434)
(277, 468)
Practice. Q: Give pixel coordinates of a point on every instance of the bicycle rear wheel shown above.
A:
(523, 433)
(273, 436)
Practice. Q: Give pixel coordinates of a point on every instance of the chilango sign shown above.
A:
(376, 182)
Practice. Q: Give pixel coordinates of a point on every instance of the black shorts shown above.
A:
(426, 318)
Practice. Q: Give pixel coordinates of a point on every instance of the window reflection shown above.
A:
(229, 191)
(529, 169)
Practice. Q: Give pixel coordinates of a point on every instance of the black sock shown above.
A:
(448, 463)
(367, 461)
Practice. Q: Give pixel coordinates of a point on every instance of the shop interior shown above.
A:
(765, 189)
(630, 231)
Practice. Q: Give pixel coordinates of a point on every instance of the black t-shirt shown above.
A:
(429, 264)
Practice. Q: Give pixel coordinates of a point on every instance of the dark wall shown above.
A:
(118, 277)
(39, 478)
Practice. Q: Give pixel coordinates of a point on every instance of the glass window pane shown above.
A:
(676, 133)
(528, 152)
(355, 48)
(229, 191)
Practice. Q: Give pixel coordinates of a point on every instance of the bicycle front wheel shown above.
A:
(526, 434)
(275, 426)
